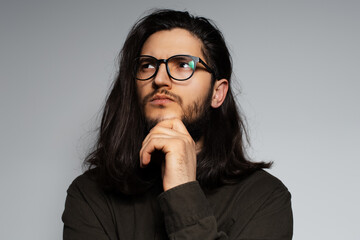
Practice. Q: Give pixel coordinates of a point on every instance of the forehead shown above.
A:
(166, 43)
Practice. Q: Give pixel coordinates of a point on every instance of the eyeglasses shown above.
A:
(178, 67)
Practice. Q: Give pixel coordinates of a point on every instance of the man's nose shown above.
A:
(162, 78)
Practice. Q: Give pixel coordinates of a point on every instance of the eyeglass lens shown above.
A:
(179, 67)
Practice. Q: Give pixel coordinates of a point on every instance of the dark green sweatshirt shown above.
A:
(258, 207)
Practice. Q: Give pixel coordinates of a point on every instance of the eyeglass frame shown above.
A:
(165, 61)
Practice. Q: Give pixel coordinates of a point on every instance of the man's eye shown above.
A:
(147, 66)
(187, 64)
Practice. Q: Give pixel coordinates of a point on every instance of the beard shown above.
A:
(195, 116)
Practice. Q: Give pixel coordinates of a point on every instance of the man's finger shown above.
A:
(158, 143)
(175, 124)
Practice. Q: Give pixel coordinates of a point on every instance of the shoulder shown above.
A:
(85, 182)
(253, 193)
(260, 187)
(263, 194)
(86, 188)
(263, 182)
(260, 199)
(89, 211)
(266, 206)
(258, 183)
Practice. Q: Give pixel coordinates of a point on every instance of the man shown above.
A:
(170, 161)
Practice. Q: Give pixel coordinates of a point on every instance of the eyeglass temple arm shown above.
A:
(206, 66)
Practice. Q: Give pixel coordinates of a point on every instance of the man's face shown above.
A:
(165, 98)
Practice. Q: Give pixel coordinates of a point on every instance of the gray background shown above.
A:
(297, 71)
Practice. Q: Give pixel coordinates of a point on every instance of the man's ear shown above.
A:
(219, 93)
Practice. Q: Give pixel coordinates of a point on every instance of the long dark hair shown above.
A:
(223, 158)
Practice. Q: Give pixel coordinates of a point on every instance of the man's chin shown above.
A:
(162, 117)
(151, 122)
(195, 118)
(195, 127)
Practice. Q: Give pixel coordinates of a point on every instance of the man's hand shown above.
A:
(172, 138)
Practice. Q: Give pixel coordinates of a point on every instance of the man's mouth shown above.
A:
(159, 99)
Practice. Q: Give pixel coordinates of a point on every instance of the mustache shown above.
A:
(162, 91)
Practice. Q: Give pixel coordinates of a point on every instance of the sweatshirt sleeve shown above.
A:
(188, 215)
